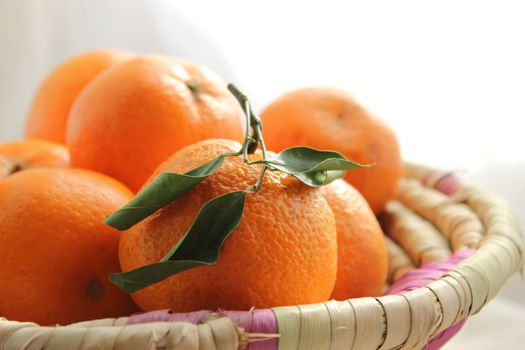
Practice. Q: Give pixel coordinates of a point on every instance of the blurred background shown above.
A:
(448, 76)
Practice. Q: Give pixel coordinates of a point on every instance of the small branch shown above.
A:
(253, 123)
(243, 101)
(257, 129)
(253, 138)
(258, 184)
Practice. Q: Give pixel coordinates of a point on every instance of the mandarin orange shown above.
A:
(56, 252)
(362, 256)
(27, 154)
(284, 252)
(49, 111)
(135, 115)
(329, 118)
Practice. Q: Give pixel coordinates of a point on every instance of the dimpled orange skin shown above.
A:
(329, 119)
(27, 154)
(362, 260)
(134, 116)
(56, 252)
(48, 114)
(283, 252)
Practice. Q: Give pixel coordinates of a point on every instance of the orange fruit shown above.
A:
(329, 118)
(135, 115)
(48, 114)
(27, 154)
(56, 252)
(362, 257)
(283, 252)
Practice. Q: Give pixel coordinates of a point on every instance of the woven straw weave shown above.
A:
(424, 225)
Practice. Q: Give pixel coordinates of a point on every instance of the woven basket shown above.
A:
(452, 247)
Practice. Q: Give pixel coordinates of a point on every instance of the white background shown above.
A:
(448, 76)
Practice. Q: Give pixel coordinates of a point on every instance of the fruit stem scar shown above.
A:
(192, 86)
(16, 168)
(8, 167)
(95, 289)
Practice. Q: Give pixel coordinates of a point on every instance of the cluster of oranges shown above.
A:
(106, 123)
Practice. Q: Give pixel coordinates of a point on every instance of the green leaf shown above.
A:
(162, 191)
(313, 167)
(199, 246)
